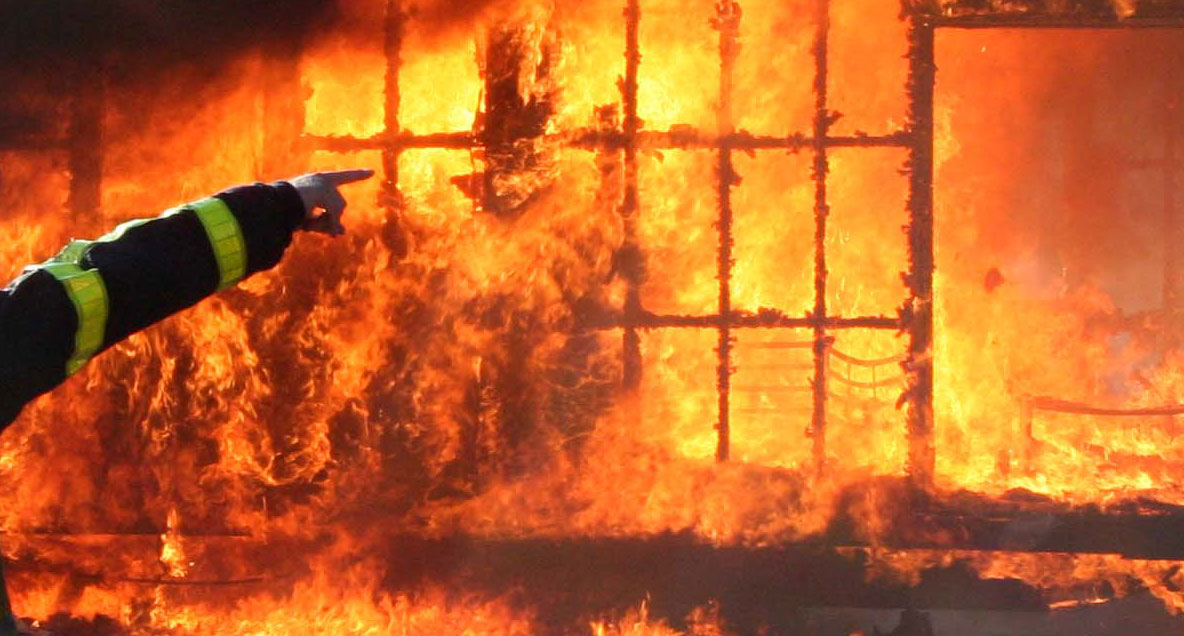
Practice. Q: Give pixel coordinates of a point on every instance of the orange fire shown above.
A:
(237, 469)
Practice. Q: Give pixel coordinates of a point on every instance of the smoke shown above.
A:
(78, 30)
(48, 48)
(446, 14)
(1063, 135)
(440, 22)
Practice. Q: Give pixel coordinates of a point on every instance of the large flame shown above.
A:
(442, 371)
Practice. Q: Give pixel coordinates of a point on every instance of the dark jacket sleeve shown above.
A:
(151, 271)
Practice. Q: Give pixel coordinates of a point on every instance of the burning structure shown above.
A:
(662, 317)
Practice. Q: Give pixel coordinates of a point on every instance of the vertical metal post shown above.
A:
(727, 22)
(629, 204)
(393, 28)
(822, 122)
(918, 310)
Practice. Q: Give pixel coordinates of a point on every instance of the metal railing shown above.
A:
(880, 384)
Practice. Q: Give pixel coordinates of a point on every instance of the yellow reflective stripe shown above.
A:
(89, 295)
(226, 238)
(120, 229)
(72, 252)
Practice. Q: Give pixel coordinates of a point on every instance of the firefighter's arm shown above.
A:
(159, 267)
(146, 270)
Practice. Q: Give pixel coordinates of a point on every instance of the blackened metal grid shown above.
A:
(915, 315)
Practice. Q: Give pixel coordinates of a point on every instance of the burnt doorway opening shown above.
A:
(1057, 226)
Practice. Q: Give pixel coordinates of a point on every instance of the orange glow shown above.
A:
(453, 367)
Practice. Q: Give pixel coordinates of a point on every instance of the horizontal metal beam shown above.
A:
(742, 320)
(1046, 21)
(677, 138)
(1053, 405)
(383, 141)
(685, 137)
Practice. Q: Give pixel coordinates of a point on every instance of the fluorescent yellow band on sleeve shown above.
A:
(226, 238)
(89, 295)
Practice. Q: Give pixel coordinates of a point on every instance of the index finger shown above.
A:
(341, 177)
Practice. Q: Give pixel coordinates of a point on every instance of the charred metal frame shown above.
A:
(628, 139)
(915, 316)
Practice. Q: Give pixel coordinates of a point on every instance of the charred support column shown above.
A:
(86, 145)
(390, 198)
(917, 314)
(630, 250)
(727, 22)
(822, 122)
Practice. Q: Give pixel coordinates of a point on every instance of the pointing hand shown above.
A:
(319, 192)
